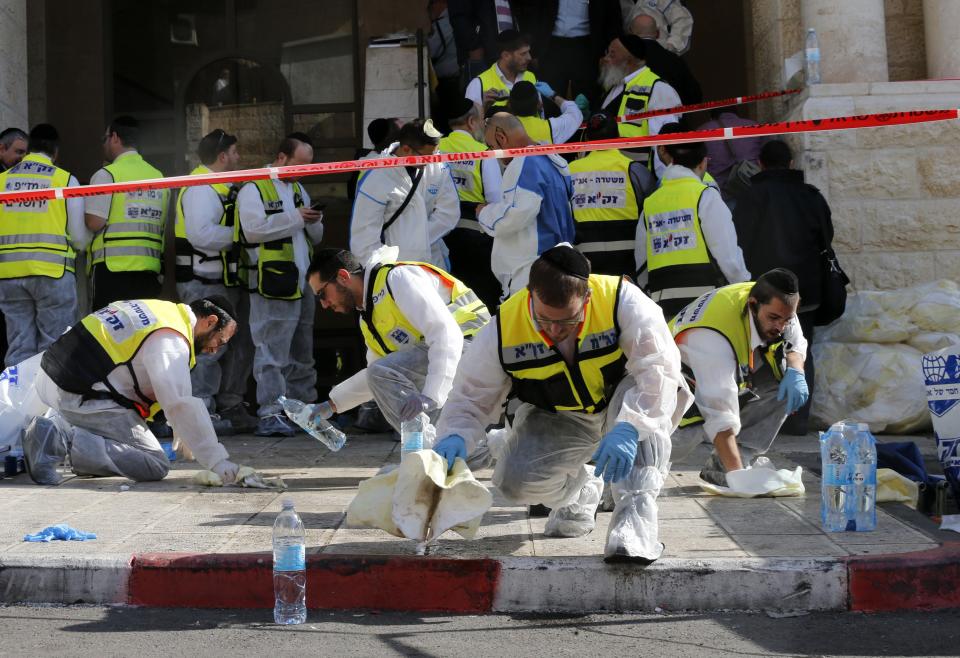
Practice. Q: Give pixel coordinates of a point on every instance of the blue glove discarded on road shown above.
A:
(583, 104)
(793, 386)
(61, 532)
(617, 451)
(545, 90)
(451, 447)
(414, 405)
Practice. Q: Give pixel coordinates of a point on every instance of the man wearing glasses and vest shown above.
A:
(114, 370)
(597, 374)
(38, 289)
(415, 319)
(743, 353)
(127, 250)
(491, 89)
(210, 261)
(280, 228)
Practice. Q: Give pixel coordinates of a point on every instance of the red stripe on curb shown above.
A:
(422, 584)
(925, 580)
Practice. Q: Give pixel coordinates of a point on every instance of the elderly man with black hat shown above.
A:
(597, 375)
(633, 88)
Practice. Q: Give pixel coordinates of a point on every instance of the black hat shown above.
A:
(634, 45)
(568, 260)
(458, 107)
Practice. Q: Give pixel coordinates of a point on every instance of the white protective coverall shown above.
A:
(544, 455)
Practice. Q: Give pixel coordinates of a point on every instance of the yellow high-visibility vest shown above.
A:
(277, 273)
(490, 79)
(187, 257)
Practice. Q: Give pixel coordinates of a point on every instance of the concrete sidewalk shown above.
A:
(175, 543)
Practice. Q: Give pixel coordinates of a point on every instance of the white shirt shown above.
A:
(564, 126)
(423, 299)
(573, 19)
(202, 210)
(99, 205)
(474, 90)
(653, 361)
(258, 227)
(716, 222)
(674, 21)
(714, 366)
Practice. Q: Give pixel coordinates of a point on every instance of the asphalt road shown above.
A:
(122, 631)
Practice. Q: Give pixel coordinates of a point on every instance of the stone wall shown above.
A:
(13, 64)
(259, 127)
(906, 56)
(777, 34)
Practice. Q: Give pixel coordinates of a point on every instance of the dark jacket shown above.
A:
(674, 70)
(783, 222)
(474, 25)
(539, 16)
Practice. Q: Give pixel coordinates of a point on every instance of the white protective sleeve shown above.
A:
(80, 235)
(443, 207)
(517, 208)
(257, 227)
(355, 390)
(201, 218)
(716, 222)
(99, 205)
(474, 91)
(492, 177)
(567, 124)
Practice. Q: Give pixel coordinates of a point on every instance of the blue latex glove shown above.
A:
(617, 451)
(451, 447)
(545, 90)
(583, 104)
(414, 404)
(61, 532)
(793, 386)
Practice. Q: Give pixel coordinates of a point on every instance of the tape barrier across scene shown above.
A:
(709, 105)
(320, 168)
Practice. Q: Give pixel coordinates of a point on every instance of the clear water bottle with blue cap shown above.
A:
(862, 512)
(289, 567)
(812, 53)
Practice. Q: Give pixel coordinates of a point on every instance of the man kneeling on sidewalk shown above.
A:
(113, 370)
(588, 356)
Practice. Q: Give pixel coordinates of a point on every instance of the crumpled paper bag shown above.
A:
(246, 477)
(895, 488)
(420, 501)
(754, 482)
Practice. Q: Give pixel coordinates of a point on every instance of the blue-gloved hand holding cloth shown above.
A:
(793, 387)
(451, 447)
(617, 452)
(545, 90)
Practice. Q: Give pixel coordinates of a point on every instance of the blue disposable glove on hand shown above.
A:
(617, 451)
(415, 404)
(545, 90)
(793, 386)
(450, 448)
(583, 104)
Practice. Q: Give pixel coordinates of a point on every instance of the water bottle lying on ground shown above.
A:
(318, 428)
(289, 567)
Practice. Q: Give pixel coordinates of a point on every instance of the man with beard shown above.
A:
(742, 351)
(633, 88)
(111, 372)
(491, 89)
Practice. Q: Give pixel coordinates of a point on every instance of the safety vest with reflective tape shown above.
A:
(277, 273)
(467, 175)
(604, 203)
(34, 237)
(710, 181)
(539, 373)
(187, 258)
(109, 338)
(725, 311)
(539, 130)
(385, 327)
(490, 79)
(132, 240)
(635, 98)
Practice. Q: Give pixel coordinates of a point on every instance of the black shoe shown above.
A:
(622, 557)
(538, 511)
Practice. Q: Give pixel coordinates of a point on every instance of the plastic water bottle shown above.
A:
(863, 469)
(835, 484)
(321, 430)
(289, 567)
(812, 52)
(411, 434)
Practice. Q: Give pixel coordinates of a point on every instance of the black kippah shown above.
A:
(568, 260)
(458, 108)
(634, 45)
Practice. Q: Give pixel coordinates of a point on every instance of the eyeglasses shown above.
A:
(321, 294)
(568, 322)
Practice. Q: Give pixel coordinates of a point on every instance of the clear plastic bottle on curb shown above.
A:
(862, 512)
(320, 429)
(411, 434)
(812, 52)
(835, 482)
(289, 567)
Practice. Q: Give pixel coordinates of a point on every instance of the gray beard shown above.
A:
(611, 76)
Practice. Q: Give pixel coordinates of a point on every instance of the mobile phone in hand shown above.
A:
(318, 206)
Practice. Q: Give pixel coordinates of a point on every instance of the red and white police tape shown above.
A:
(709, 105)
(300, 171)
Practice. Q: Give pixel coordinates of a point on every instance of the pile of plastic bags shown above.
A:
(869, 361)
(19, 402)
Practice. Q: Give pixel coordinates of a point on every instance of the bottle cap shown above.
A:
(287, 503)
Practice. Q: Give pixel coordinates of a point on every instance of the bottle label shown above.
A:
(864, 474)
(290, 558)
(414, 442)
(835, 474)
(813, 54)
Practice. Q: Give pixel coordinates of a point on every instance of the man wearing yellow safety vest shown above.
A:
(608, 193)
(211, 261)
(478, 182)
(633, 88)
(743, 352)
(526, 105)
(591, 360)
(113, 370)
(280, 227)
(38, 289)
(686, 243)
(127, 249)
(415, 319)
(491, 89)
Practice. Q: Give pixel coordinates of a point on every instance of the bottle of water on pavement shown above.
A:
(834, 486)
(289, 567)
(812, 52)
(320, 429)
(863, 469)
(411, 434)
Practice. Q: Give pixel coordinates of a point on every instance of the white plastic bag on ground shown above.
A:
(19, 401)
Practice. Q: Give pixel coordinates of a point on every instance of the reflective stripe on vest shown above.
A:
(188, 259)
(467, 174)
(635, 98)
(541, 376)
(277, 273)
(34, 234)
(132, 240)
(539, 130)
(490, 79)
(604, 202)
(386, 329)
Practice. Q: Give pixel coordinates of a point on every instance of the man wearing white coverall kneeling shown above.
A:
(593, 363)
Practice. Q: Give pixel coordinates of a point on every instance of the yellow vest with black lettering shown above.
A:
(109, 338)
(34, 237)
(634, 100)
(385, 327)
(725, 311)
(539, 130)
(539, 373)
(467, 175)
(132, 240)
(187, 257)
(678, 261)
(490, 79)
(277, 273)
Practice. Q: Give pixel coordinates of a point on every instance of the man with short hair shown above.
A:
(38, 286)
(279, 227)
(210, 261)
(491, 89)
(525, 104)
(415, 319)
(127, 249)
(743, 353)
(113, 370)
(13, 147)
(598, 378)
(665, 63)
(534, 212)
